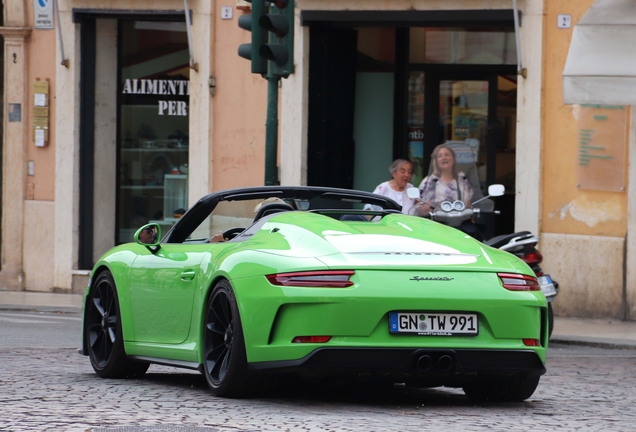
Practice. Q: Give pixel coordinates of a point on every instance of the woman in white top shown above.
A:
(401, 171)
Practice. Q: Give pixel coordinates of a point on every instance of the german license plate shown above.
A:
(545, 282)
(433, 324)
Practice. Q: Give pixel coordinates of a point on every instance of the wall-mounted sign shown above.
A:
(15, 112)
(564, 21)
(226, 12)
(164, 88)
(43, 11)
(40, 112)
(602, 143)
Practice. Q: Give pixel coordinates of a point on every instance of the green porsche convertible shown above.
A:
(257, 282)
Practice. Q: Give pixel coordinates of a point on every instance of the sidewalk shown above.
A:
(595, 332)
(40, 301)
(592, 332)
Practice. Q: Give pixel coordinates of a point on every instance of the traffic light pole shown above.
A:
(271, 54)
(271, 131)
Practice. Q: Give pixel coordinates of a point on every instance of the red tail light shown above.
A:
(319, 279)
(531, 342)
(311, 339)
(532, 257)
(519, 282)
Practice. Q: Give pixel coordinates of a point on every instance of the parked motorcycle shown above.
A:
(522, 244)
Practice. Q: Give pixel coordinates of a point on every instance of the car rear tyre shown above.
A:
(506, 389)
(103, 332)
(225, 359)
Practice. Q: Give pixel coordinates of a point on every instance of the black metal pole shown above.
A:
(271, 131)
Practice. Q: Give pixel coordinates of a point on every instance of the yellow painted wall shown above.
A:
(41, 65)
(567, 209)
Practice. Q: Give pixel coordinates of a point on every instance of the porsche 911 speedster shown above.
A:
(309, 281)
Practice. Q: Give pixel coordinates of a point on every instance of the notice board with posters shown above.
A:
(602, 143)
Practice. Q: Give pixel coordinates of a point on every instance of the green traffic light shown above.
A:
(275, 52)
(250, 51)
(279, 22)
(245, 22)
(276, 18)
(276, 24)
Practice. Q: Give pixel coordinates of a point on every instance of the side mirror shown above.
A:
(413, 193)
(148, 235)
(496, 190)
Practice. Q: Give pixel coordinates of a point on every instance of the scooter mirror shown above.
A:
(413, 193)
(496, 190)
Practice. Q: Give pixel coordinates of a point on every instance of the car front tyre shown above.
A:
(515, 388)
(225, 358)
(103, 332)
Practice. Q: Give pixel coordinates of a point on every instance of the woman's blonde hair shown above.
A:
(436, 169)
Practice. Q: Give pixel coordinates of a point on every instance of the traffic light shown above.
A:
(250, 51)
(279, 22)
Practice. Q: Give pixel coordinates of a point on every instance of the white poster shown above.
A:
(43, 10)
(39, 137)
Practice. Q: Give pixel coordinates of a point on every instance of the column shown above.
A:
(14, 157)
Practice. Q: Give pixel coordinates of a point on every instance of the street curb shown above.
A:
(593, 343)
(41, 309)
(53, 301)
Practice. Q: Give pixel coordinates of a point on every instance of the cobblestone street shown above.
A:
(56, 389)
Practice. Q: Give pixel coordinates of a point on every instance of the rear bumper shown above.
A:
(409, 363)
(358, 317)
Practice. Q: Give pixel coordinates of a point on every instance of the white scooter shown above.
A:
(521, 244)
(453, 213)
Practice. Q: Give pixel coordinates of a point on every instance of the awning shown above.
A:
(601, 62)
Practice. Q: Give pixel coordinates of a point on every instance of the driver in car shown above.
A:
(219, 236)
(216, 238)
(148, 235)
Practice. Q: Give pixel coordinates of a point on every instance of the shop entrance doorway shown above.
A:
(406, 89)
(133, 126)
(475, 113)
(468, 111)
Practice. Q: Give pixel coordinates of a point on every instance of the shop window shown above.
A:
(154, 93)
(503, 132)
(462, 46)
(374, 101)
(376, 49)
(416, 126)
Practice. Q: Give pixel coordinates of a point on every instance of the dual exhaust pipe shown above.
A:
(429, 363)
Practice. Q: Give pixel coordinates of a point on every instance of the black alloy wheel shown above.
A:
(225, 359)
(103, 332)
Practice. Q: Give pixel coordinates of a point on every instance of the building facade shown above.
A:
(126, 117)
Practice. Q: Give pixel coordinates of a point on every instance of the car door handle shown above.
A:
(188, 275)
